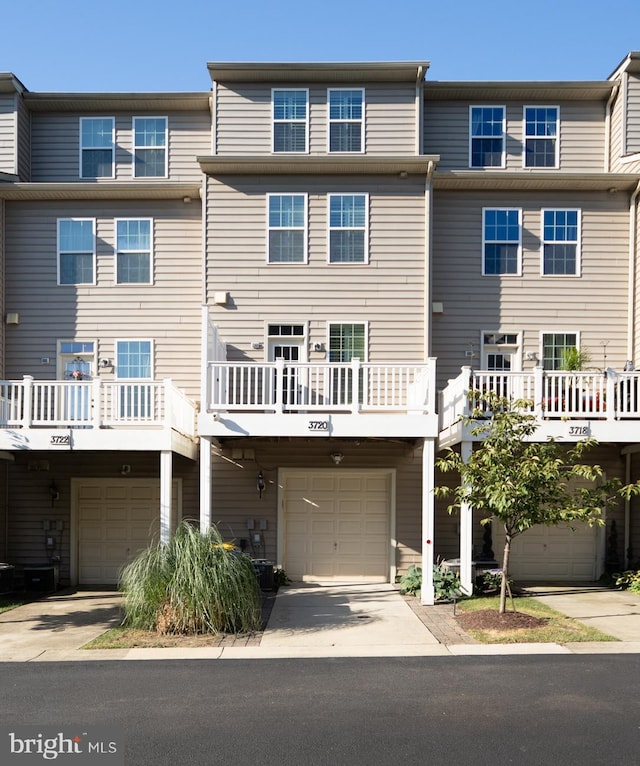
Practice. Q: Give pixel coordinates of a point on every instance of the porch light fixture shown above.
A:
(337, 457)
(54, 493)
(260, 485)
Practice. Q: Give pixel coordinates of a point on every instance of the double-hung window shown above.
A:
(348, 228)
(150, 147)
(76, 251)
(97, 147)
(560, 242)
(501, 241)
(290, 120)
(287, 219)
(555, 346)
(541, 136)
(133, 368)
(347, 341)
(486, 137)
(133, 251)
(346, 119)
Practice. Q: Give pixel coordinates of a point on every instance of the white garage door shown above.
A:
(336, 526)
(117, 518)
(553, 554)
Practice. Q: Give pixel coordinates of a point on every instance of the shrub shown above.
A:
(446, 583)
(628, 580)
(194, 584)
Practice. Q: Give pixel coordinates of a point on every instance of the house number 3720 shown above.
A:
(318, 425)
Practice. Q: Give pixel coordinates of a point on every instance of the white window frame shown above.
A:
(82, 147)
(526, 138)
(578, 241)
(304, 229)
(275, 121)
(59, 252)
(165, 146)
(117, 251)
(503, 136)
(331, 121)
(116, 345)
(363, 322)
(556, 332)
(364, 229)
(518, 272)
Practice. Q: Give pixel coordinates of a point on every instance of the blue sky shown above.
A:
(140, 45)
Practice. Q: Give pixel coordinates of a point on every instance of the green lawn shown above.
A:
(557, 628)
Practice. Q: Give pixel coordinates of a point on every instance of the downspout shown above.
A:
(631, 298)
(627, 511)
(607, 127)
(428, 216)
(419, 108)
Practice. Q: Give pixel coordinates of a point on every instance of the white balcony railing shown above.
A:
(93, 403)
(354, 387)
(608, 395)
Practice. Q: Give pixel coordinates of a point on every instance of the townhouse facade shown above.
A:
(264, 305)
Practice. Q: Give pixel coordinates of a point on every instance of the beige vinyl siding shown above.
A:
(30, 500)
(594, 304)
(8, 134)
(56, 145)
(633, 114)
(616, 150)
(636, 349)
(235, 498)
(168, 311)
(446, 132)
(243, 119)
(387, 292)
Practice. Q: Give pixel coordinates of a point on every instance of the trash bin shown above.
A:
(264, 573)
(6, 578)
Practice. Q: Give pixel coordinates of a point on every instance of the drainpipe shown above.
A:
(607, 127)
(428, 215)
(631, 299)
(627, 512)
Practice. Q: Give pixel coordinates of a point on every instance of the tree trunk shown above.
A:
(505, 573)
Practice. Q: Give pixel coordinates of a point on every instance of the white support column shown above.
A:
(166, 476)
(466, 533)
(428, 520)
(205, 484)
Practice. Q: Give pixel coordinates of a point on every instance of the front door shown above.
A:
(76, 362)
(287, 342)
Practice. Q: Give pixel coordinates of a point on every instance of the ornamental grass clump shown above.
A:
(194, 584)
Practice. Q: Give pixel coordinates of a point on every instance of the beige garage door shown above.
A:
(553, 554)
(337, 526)
(117, 518)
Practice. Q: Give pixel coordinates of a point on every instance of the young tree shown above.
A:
(521, 482)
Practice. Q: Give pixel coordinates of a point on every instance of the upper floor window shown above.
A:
(76, 251)
(486, 137)
(560, 242)
(287, 217)
(133, 251)
(501, 241)
(555, 347)
(96, 147)
(290, 120)
(150, 147)
(541, 136)
(346, 119)
(348, 228)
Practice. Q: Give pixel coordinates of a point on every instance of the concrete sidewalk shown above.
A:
(314, 621)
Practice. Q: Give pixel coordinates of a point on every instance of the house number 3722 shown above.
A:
(318, 425)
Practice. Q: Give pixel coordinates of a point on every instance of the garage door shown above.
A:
(117, 518)
(337, 526)
(553, 554)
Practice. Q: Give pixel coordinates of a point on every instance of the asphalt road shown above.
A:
(549, 710)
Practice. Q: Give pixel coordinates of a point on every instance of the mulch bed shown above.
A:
(491, 619)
